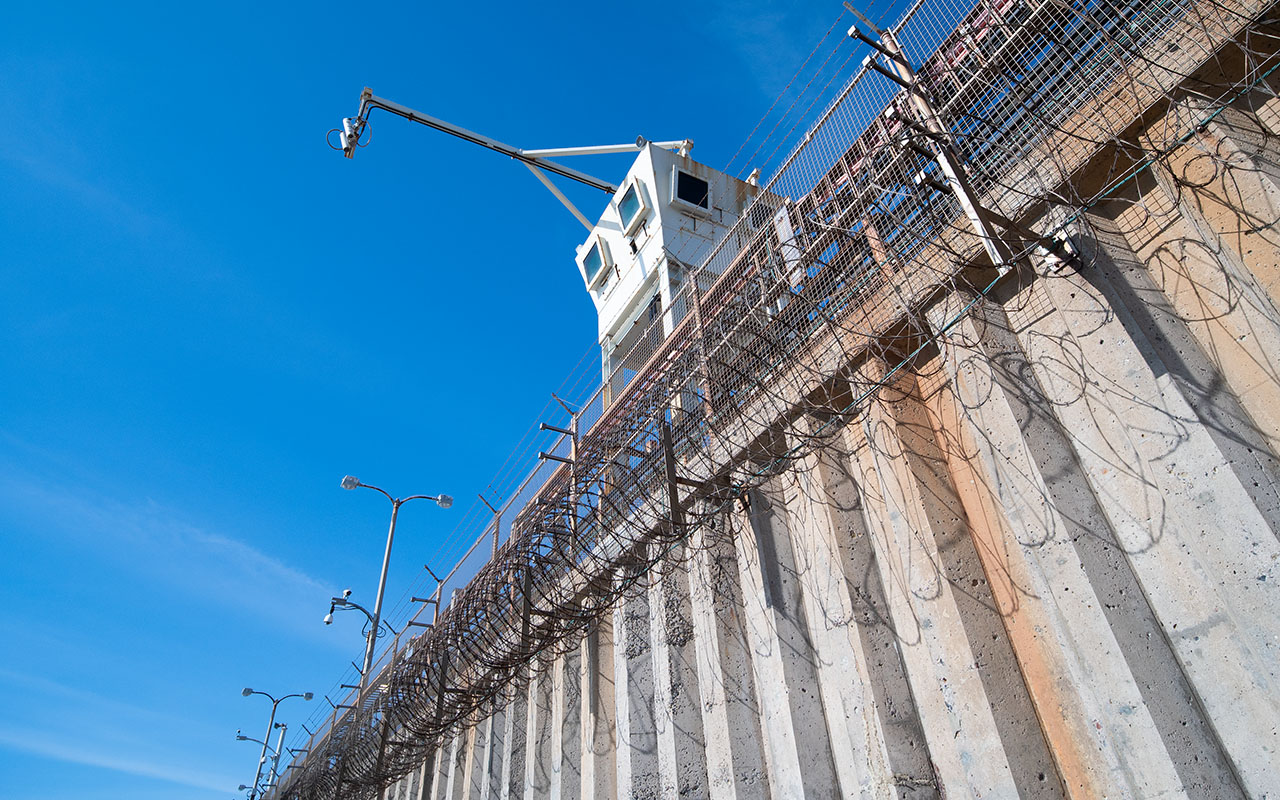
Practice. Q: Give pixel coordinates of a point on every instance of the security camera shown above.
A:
(328, 618)
(346, 593)
(348, 138)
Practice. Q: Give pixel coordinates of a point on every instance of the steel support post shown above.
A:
(939, 142)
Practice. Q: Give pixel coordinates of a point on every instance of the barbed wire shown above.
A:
(754, 364)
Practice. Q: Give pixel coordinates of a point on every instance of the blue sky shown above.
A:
(208, 317)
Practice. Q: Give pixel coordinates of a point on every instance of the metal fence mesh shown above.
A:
(853, 233)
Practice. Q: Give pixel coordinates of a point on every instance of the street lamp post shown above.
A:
(442, 500)
(275, 755)
(271, 721)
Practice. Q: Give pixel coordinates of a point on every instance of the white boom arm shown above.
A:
(536, 160)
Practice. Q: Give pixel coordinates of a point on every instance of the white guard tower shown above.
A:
(662, 222)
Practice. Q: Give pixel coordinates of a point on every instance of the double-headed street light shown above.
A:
(442, 500)
(262, 758)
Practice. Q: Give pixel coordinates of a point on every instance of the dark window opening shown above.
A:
(692, 190)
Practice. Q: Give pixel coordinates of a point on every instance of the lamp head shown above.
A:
(350, 482)
(247, 691)
(444, 500)
(307, 695)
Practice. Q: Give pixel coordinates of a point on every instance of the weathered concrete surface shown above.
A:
(598, 747)
(730, 713)
(957, 716)
(682, 763)
(566, 704)
(1043, 562)
(857, 737)
(1178, 511)
(635, 724)
(1100, 731)
(780, 731)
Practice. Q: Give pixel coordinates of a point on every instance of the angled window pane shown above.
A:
(629, 206)
(593, 262)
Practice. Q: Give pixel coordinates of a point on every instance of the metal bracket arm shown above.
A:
(369, 101)
(940, 137)
(559, 195)
(683, 147)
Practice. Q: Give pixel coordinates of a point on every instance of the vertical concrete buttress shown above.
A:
(1041, 561)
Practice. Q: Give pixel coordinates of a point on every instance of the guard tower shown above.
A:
(664, 220)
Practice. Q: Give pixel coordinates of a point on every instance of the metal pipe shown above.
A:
(372, 101)
(275, 762)
(377, 603)
(683, 145)
(271, 721)
(559, 195)
(497, 524)
(603, 149)
(351, 482)
(948, 163)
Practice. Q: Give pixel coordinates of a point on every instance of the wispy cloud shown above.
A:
(51, 171)
(41, 743)
(82, 727)
(50, 150)
(89, 703)
(162, 544)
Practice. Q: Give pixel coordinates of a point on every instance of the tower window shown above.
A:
(690, 190)
(596, 261)
(631, 207)
(593, 262)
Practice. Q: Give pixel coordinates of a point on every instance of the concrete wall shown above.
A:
(1042, 563)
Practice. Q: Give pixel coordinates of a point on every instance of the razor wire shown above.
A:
(831, 263)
